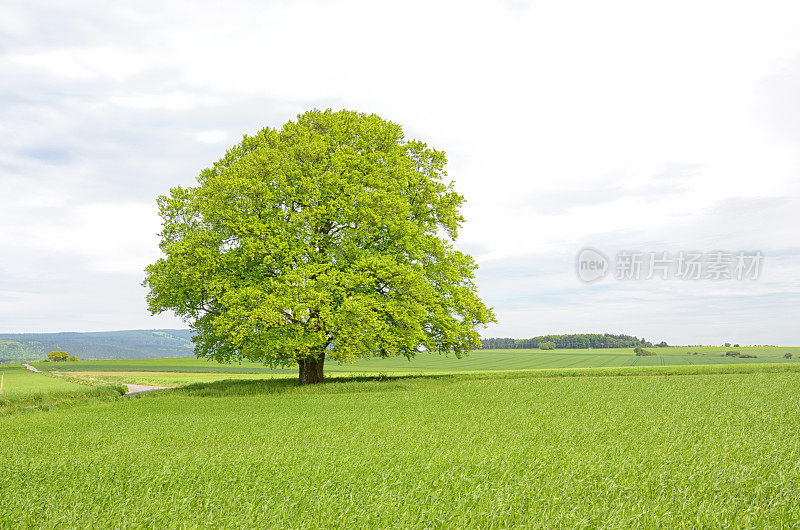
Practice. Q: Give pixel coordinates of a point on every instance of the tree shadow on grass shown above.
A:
(331, 385)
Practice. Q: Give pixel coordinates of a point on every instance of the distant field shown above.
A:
(480, 450)
(26, 390)
(200, 370)
(19, 381)
(180, 379)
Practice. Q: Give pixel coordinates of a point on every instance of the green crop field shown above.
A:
(23, 389)
(21, 382)
(471, 450)
(500, 438)
(180, 371)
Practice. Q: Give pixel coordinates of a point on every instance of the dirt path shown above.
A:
(141, 389)
(132, 389)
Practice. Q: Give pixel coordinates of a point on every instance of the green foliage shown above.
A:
(571, 341)
(742, 355)
(72, 358)
(320, 239)
(788, 355)
(58, 356)
(641, 352)
(549, 345)
(11, 349)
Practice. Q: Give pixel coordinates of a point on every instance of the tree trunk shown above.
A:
(311, 369)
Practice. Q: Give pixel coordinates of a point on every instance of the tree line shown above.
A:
(573, 341)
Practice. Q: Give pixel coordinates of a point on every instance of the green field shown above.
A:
(26, 390)
(180, 371)
(479, 450)
(520, 438)
(21, 382)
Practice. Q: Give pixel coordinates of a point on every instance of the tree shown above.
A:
(549, 345)
(330, 238)
(58, 356)
(73, 358)
(727, 344)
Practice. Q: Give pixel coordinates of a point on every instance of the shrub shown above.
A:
(732, 354)
(747, 356)
(788, 355)
(73, 358)
(638, 350)
(58, 356)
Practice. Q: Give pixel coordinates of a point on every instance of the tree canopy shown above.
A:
(331, 237)
(575, 340)
(58, 356)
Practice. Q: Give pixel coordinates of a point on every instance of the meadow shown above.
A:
(23, 389)
(18, 382)
(471, 450)
(591, 440)
(181, 371)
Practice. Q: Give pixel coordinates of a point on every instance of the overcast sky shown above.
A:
(649, 126)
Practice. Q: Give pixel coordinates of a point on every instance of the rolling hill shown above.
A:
(125, 344)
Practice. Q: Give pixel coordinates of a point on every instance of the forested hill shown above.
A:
(127, 344)
(579, 340)
(152, 343)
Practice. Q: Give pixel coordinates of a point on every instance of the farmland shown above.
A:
(19, 381)
(23, 389)
(565, 438)
(472, 450)
(180, 371)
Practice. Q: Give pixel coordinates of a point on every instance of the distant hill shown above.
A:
(126, 344)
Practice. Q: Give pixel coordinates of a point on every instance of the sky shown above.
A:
(616, 125)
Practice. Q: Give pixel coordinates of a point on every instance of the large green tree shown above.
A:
(330, 238)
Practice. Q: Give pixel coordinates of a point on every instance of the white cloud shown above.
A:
(566, 124)
(86, 63)
(108, 237)
(212, 136)
(176, 100)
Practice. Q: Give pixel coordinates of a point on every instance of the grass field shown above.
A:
(25, 390)
(18, 382)
(474, 450)
(181, 371)
(519, 438)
